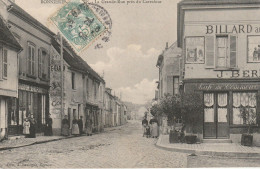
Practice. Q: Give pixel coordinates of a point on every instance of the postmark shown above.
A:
(79, 24)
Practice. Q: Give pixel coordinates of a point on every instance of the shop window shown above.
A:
(244, 102)
(31, 59)
(253, 49)
(208, 107)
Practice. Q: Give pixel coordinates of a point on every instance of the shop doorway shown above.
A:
(216, 116)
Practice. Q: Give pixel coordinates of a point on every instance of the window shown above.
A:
(73, 80)
(5, 63)
(176, 85)
(221, 51)
(87, 86)
(95, 90)
(31, 59)
(195, 50)
(253, 49)
(43, 64)
(40, 64)
(244, 106)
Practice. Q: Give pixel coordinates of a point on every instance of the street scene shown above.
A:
(129, 83)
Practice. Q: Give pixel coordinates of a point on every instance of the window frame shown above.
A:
(227, 51)
(31, 63)
(5, 63)
(73, 80)
(204, 48)
(178, 85)
(247, 59)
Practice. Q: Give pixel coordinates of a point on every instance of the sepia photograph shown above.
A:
(129, 83)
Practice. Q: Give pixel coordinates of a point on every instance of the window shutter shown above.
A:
(210, 48)
(39, 63)
(233, 51)
(1, 63)
(5, 63)
(29, 60)
(33, 61)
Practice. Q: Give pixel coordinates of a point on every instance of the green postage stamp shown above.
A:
(79, 24)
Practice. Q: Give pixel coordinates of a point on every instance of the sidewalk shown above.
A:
(210, 149)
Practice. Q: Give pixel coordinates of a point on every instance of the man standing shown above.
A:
(80, 124)
(144, 124)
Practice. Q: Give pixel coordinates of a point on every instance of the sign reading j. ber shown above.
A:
(232, 29)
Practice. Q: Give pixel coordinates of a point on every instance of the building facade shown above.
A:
(221, 42)
(169, 70)
(33, 75)
(9, 53)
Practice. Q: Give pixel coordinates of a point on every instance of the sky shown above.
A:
(128, 60)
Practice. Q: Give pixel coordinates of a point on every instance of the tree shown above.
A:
(192, 111)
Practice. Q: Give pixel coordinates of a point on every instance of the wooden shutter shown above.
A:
(233, 51)
(29, 60)
(5, 63)
(1, 63)
(33, 61)
(210, 48)
(39, 63)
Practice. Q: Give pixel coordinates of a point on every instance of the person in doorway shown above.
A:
(80, 124)
(154, 127)
(26, 127)
(32, 127)
(49, 126)
(144, 124)
(65, 126)
(75, 127)
(88, 125)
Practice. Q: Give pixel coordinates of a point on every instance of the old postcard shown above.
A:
(129, 83)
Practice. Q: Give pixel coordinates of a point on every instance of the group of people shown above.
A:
(150, 129)
(29, 127)
(77, 126)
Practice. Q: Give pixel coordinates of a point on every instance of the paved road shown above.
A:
(119, 147)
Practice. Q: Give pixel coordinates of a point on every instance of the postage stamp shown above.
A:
(79, 24)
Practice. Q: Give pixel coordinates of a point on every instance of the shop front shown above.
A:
(223, 101)
(33, 100)
(92, 112)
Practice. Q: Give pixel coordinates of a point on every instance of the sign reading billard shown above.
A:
(232, 29)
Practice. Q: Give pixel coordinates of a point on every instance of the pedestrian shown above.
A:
(88, 125)
(26, 127)
(32, 127)
(154, 127)
(80, 124)
(49, 126)
(144, 124)
(65, 126)
(75, 127)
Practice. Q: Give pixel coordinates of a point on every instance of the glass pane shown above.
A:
(222, 99)
(236, 116)
(209, 115)
(222, 52)
(222, 115)
(221, 62)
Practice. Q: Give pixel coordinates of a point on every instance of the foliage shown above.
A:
(192, 108)
(170, 106)
(249, 117)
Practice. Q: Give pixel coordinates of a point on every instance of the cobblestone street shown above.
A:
(118, 147)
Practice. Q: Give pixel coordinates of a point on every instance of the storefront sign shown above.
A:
(228, 86)
(31, 88)
(231, 29)
(239, 74)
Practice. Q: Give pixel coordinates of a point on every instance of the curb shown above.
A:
(38, 142)
(208, 153)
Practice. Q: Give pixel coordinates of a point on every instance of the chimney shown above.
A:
(166, 46)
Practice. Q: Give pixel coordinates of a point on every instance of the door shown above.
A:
(216, 115)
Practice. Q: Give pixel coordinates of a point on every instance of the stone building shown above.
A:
(9, 53)
(33, 84)
(221, 44)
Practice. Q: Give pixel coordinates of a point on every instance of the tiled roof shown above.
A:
(6, 36)
(23, 14)
(75, 61)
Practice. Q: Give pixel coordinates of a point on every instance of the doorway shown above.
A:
(216, 116)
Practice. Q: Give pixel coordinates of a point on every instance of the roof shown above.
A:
(6, 36)
(75, 61)
(24, 15)
(194, 3)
